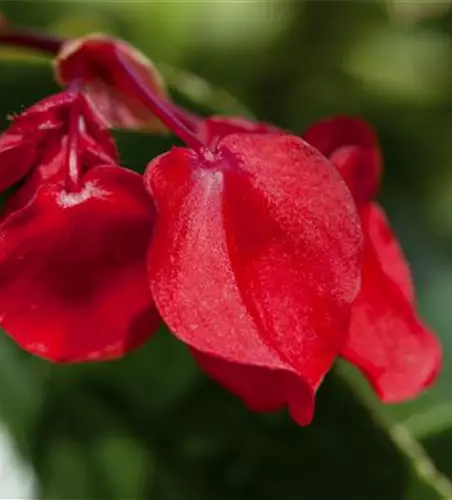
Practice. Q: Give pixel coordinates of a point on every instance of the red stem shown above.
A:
(190, 120)
(163, 110)
(73, 157)
(31, 40)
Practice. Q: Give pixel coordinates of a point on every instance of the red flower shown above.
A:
(387, 341)
(254, 264)
(73, 237)
(94, 61)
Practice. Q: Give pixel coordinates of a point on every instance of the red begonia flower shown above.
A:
(73, 240)
(254, 263)
(94, 61)
(387, 340)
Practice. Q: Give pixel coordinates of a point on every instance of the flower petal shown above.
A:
(387, 341)
(261, 389)
(16, 156)
(213, 129)
(94, 60)
(35, 139)
(352, 146)
(250, 262)
(73, 283)
(387, 250)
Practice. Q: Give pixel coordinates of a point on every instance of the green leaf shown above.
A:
(433, 427)
(207, 445)
(348, 452)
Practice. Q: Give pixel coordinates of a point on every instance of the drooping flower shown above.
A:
(254, 263)
(73, 237)
(387, 340)
(94, 61)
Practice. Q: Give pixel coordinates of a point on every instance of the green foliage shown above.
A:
(150, 426)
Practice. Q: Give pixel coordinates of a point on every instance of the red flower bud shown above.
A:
(387, 341)
(94, 61)
(254, 264)
(73, 239)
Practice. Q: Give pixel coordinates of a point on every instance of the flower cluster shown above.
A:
(263, 251)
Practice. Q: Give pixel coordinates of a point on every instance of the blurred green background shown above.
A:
(152, 426)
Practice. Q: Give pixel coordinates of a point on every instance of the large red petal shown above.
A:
(351, 144)
(251, 262)
(387, 341)
(195, 289)
(73, 283)
(294, 239)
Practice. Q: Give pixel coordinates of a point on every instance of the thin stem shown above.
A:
(31, 40)
(160, 108)
(190, 120)
(73, 157)
(180, 122)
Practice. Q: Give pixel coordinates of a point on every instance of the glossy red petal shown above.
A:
(36, 137)
(51, 115)
(387, 340)
(93, 60)
(213, 129)
(46, 114)
(387, 250)
(352, 146)
(50, 168)
(73, 283)
(251, 261)
(261, 389)
(16, 156)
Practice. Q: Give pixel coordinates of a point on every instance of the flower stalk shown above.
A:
(160, 108)
(31, 40)
(179, 122)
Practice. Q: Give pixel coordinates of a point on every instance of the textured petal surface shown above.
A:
(94, 59)
(351, 144)
(73, 281)
(251, 262)
(387, 341)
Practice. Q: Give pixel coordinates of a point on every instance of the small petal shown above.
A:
(16, 156)
(351, 144)
(73, 281)
(387, 250)
(52, 115)
(94, 60)
(35, 139)
(213, 129)
(261, 389)
(252, 263)
(387, 341)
